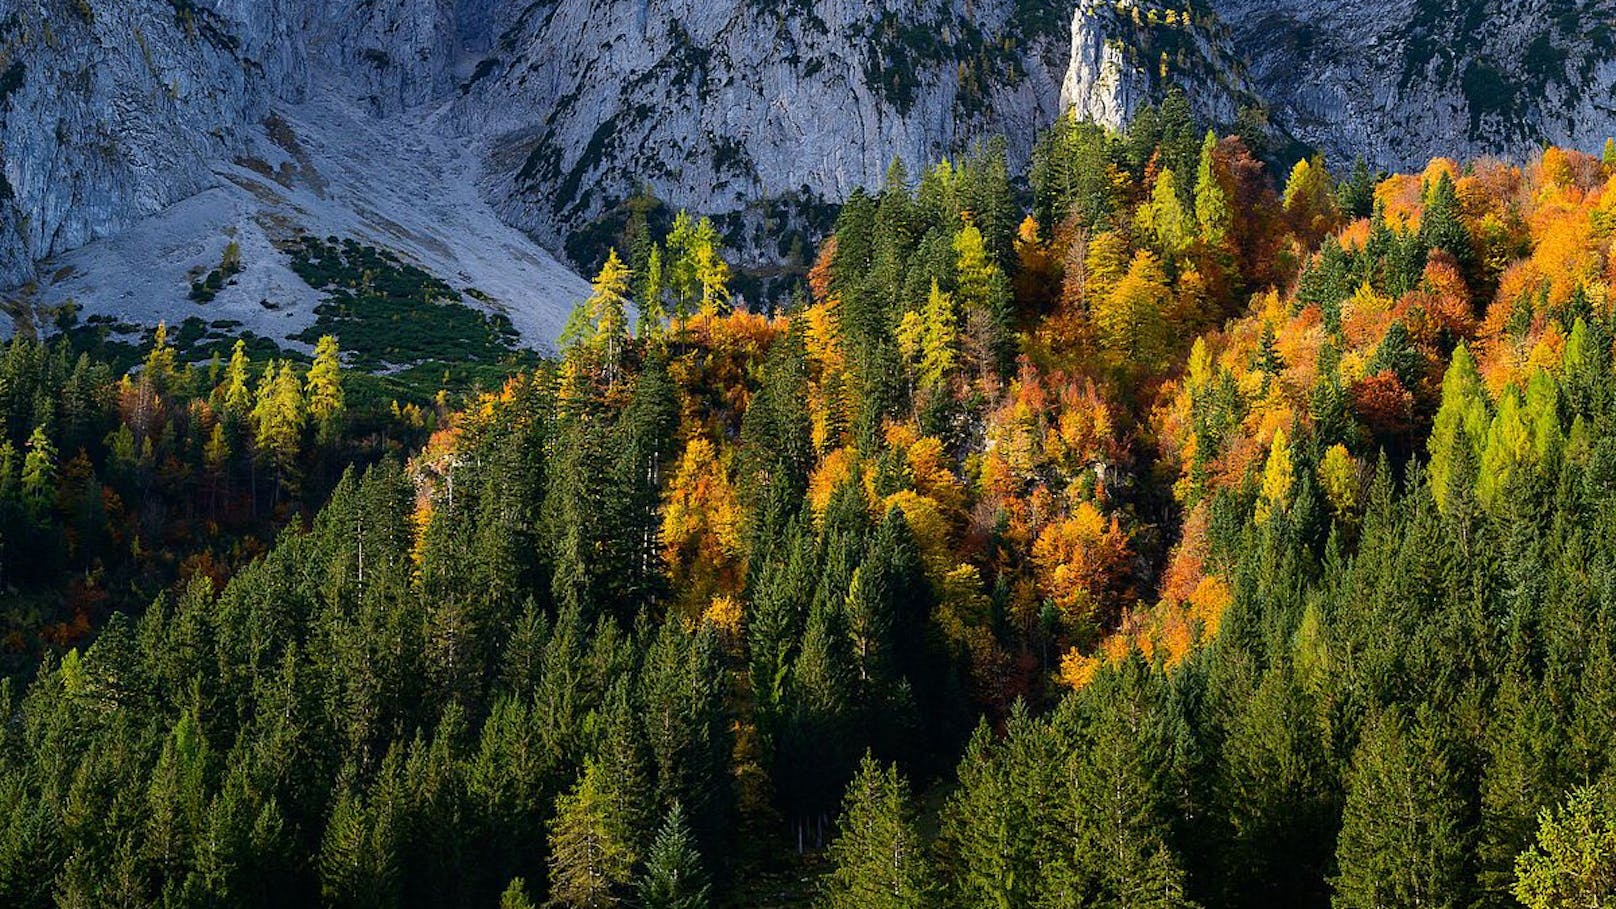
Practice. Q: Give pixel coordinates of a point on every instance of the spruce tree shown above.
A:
(1404, 838)
(878, 860)
(673, 876)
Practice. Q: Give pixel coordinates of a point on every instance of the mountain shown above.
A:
(547, 116)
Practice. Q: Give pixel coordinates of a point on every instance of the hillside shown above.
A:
(1196, 535)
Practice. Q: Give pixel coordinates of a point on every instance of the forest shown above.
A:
(1174, 528)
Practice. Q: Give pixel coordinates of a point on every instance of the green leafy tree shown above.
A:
(1463, 414)
(591, 859)
(1212, 209)
(39, 474)
(515, 896)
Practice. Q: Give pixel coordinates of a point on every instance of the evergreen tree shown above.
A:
(1404, 838)
(1440, 224)
(673, 877)
(878, 859)
(1356, 194)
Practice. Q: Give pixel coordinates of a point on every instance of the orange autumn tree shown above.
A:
(701, 528)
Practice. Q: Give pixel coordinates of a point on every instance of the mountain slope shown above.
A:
(572, 106)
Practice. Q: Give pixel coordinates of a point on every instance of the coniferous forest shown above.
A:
(1178, 526)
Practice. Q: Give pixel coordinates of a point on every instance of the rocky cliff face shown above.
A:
(111, 110)
(110, 116)
(1127, 55)
(1399, 81)
(714, 104)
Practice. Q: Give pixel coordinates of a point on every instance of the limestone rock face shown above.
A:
(109, 113)
(714, 104)
(1127, 54)
(112, 110)
(1401, 81)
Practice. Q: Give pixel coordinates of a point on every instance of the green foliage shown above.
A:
(1573, 862)
(389, 314)
(673, 876)
(878, 858)
(590, 855)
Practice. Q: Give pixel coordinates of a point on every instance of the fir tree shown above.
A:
(673, 876)
(878, 859)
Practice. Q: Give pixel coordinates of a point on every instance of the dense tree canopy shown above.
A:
(1196, 539)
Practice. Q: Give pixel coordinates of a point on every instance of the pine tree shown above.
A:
(590, 856)
(1356, 195)
(649, 296)
(1113, 798)
(878, 859)
(673, 876)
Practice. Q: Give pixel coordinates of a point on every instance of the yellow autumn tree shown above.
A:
(325, 397)
(1131, 318)
(1080, 561)
(929, 338)
(1279, 475)
(701, 526)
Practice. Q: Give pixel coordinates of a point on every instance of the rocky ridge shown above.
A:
(113, 110)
